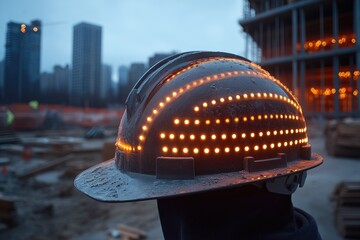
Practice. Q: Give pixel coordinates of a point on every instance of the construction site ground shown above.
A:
(49, 207)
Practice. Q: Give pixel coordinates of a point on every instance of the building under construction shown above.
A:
(312, 46)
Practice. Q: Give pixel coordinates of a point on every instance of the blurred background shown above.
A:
(66, 68)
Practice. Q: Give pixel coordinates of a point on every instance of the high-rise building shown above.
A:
(136, 70)
(62, 84)
(122, 83)
(311, 46)
(22, 62)
(2, 97)
(106, 91)
(55, 85)
(86, 65)
(158, 57)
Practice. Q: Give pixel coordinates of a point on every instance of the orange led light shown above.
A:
(206, 150)
(227, 149)
(246, 148)
(207, 122)
(141, 138)
(185, 150)
(197, 122)
(196, 109)
(182, 136)
(213, 136)
(162, 135)
(171, 136)
(176, 121)
(223, 136)
(203, 137)
(256, 147)
(165, 149)
(243, 135)
(192, 136)
(196, 150)
(144, 127)
(264, 146)
(174, 150)
(237, 149)
(217, 150)
(233, 136)
(149, 119)
(186, 121)
(205, 104)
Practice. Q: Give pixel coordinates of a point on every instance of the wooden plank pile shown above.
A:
(125, 232)
(347, 209)
(342, 138)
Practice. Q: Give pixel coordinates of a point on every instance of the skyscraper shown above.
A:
(106, 91)
(122, 83)
(22, 62)
(2, 80)
(86, 69)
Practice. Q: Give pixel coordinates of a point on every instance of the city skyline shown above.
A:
(133, 30)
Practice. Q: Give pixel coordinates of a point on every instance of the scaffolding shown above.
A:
(312, 47)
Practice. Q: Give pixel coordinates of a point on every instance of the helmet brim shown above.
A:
(104, 182)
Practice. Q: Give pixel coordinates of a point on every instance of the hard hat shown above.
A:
(200, 121)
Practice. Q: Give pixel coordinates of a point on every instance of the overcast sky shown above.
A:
(133, 30)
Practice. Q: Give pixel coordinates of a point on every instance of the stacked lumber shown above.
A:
(347, 209)
(342, 138)
(125, 232)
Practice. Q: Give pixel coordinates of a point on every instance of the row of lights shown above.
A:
(195, 83)
(328, 92)
(315, 45)
(225, 136)
(217, 150)
(23, 28)
(247, 96)
(347, 74)
(178, 121)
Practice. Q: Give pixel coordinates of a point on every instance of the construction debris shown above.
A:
(342, 138)
(347, 209)
(46, 167)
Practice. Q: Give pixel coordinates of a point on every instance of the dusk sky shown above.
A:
(133, 30)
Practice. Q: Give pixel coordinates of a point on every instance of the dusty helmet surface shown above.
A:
(200, 121)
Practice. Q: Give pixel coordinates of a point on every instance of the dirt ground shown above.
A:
(49, 207)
